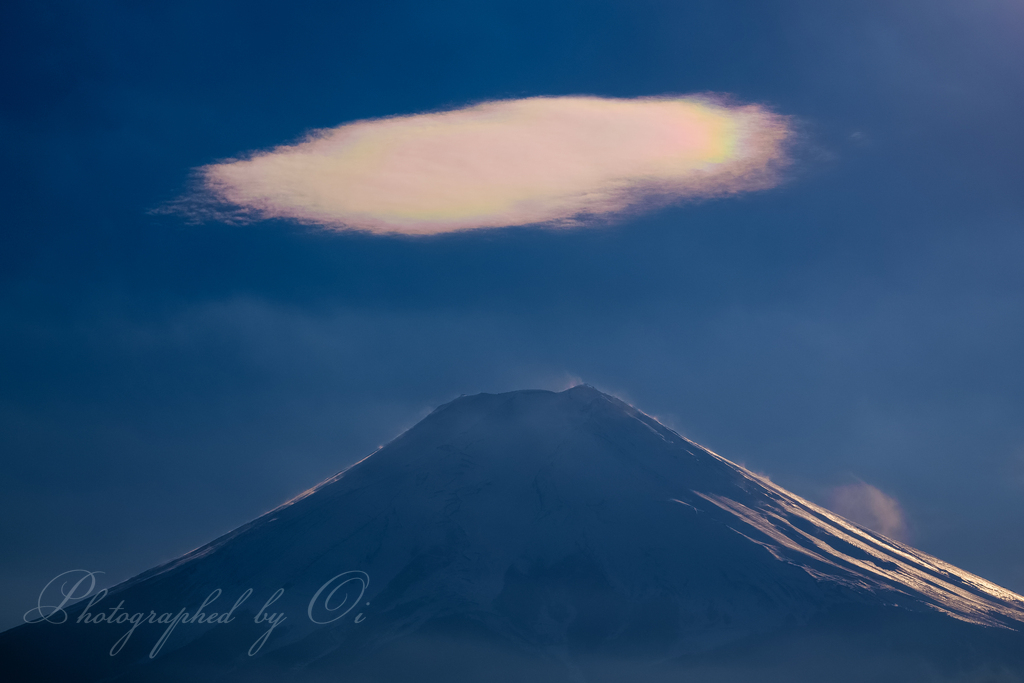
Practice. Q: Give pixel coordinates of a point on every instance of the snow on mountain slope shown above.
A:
(564, 523)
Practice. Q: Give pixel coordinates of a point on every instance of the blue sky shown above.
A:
(162, 381)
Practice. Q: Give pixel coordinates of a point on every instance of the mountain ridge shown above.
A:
(564, 527)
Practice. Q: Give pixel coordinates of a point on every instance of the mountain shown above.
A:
(540, 536)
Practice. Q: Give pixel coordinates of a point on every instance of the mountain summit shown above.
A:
(534, 536)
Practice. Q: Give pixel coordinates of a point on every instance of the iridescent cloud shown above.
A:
(559, 161)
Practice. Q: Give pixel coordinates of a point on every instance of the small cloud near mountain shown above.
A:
(868, 506)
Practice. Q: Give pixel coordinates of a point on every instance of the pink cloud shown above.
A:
(559, 161)
(868, 506)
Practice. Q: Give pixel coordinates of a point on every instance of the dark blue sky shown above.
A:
(163, 382)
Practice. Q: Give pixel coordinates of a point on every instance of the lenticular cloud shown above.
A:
(559, 161)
